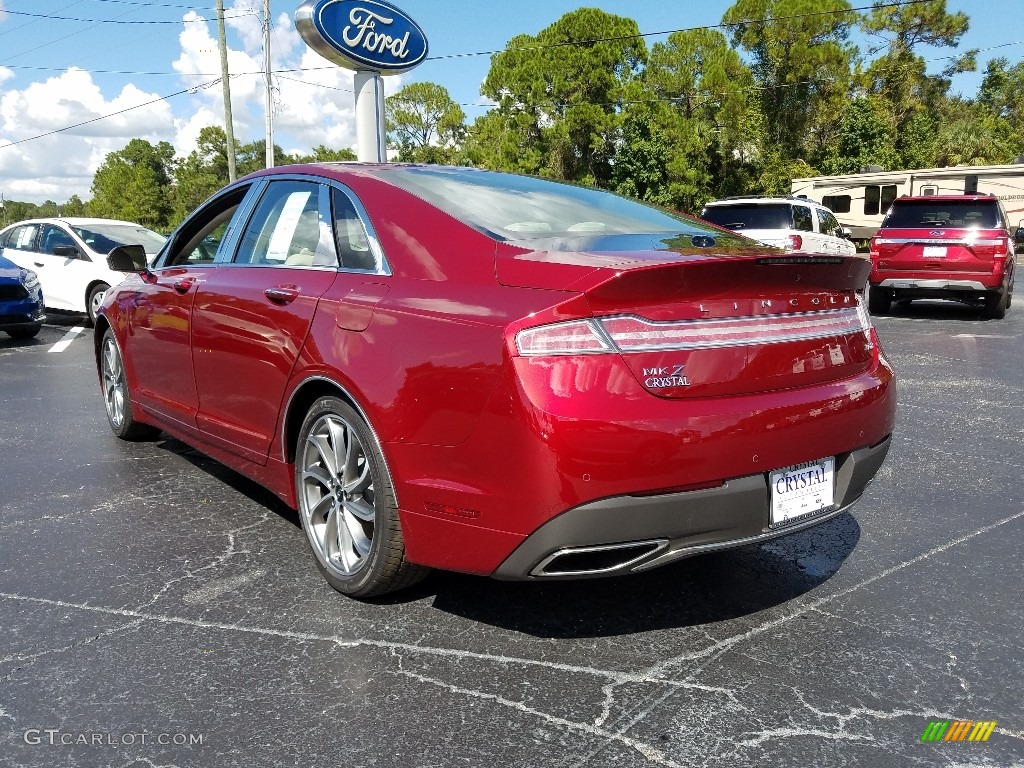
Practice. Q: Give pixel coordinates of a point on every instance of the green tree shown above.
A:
(323, 154)
(802, 68)
(1001, 97)
(424, 124)
(683, 128)
(866, 137)
(899, 77)
(135, 184)
(201, 173)
(559, 96)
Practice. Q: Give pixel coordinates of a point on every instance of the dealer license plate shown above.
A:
(934, 251)
(802, 489)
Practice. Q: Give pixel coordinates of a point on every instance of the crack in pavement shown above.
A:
(656, 674)
(33, 657)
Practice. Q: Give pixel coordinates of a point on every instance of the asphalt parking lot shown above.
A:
(159, 610)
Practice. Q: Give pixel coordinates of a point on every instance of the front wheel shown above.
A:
(94, 300)
(116, 397)
(25, 332)
(346, 504)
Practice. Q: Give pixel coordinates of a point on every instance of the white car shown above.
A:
(70, 256)
(791, 223)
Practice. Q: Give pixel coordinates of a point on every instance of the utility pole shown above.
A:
(269, 83)
(225, 77)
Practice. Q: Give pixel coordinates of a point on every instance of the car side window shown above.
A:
(52, 237)
(829, 225)
(287, 230)
(24, 238)
(802, 218)
(350, 237)
(198, 239)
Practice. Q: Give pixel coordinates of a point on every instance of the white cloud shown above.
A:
(313, 104)
(62, 164)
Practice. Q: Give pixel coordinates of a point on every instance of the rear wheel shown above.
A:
(879, 300)
(25, 332)
(94, 299)
(996, 304)
(116, 397)
(346, 504)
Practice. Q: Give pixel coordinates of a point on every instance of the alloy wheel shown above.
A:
(113, 382)
(336, 496)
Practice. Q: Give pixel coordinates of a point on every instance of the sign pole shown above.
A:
(374, 38)
(371, 138)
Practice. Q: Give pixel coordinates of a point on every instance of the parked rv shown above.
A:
(861, 200)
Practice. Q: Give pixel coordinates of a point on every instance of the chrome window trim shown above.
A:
(383, 267)
(233, 234)
(265, 182)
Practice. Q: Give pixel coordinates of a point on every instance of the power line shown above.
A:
(119, 21)
(731, 25)
(767, 20)
(150, 5)
(192, 89)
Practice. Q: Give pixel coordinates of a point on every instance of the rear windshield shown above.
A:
(961, 214)
(750, 216)
(510, 207)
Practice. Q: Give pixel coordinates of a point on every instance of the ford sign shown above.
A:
(364, 35)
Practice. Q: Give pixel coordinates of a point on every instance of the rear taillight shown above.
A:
(794, 242)
(1002, 248)
(578, 337)
(636, 334)
(873, 248)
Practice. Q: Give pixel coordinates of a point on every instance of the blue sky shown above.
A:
(54, 73)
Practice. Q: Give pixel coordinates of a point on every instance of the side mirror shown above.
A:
(1018, 235)
(67, 251)
(847, 233)
(127, 258)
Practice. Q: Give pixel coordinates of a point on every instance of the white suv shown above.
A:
(792, 223)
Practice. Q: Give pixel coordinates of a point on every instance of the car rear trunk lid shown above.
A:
(721, 325)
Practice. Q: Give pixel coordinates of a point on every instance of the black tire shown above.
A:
(116, 397)
(879, 300)
(996, 304)
(25, 332)
(93, 300)
(349, 514)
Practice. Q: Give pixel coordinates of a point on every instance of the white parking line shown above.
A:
(65, 342)
(981, 336)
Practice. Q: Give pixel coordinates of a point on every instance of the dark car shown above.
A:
(944, 247)
(498, 374)
(21, 301)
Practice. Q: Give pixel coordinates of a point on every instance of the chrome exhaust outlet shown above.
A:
(597, 560)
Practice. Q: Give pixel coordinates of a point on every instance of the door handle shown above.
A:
(182, 286)
(39, 263)
(282, 294)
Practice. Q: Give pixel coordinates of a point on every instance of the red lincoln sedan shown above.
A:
(497, 374)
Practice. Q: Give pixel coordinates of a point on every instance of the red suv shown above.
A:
(943, 247)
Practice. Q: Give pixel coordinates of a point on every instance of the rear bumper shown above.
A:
(626, 534)
(905, 283)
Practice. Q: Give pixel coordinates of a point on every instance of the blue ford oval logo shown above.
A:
(365, 35)
(936, 233)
